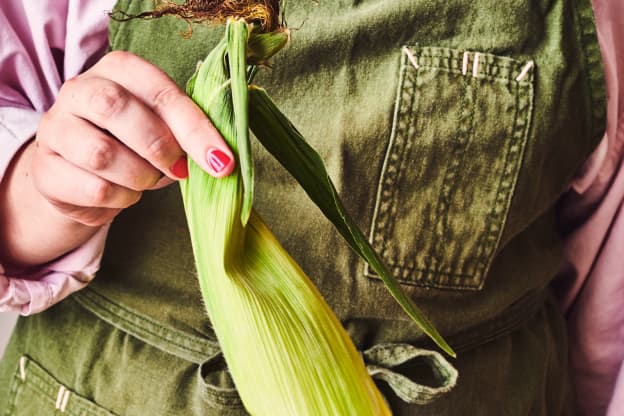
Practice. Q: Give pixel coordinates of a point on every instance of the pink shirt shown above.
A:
(45, 42)
(42, 44)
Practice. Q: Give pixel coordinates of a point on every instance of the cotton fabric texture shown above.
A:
(497, 295)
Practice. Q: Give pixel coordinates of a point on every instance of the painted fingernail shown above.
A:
(218, 160)
(180, 168)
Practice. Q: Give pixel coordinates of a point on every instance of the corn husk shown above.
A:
(286, 351)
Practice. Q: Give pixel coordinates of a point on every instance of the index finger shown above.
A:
(188, 123)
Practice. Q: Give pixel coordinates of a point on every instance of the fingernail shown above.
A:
(180, 168)
(218, 160)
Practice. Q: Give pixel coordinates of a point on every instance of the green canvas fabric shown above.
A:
(109, 368)
(451, 163)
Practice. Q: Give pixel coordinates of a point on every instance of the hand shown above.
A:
(119, 129)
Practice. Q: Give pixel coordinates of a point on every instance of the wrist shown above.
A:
(32, 230)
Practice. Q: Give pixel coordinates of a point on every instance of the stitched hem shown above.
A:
(594, 71)
(172, 341)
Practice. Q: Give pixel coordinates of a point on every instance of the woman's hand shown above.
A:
(120, 128)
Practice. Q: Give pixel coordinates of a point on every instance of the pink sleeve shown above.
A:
(37, 290)
(44, 43)
(592, 215)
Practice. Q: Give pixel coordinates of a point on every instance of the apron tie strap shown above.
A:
(382, 359)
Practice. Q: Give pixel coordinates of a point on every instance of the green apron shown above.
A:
(450, 129)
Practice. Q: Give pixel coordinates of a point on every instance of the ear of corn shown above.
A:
(237, 34)
(286, 350)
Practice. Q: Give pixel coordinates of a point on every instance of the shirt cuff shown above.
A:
(33, 292)
(17, 126)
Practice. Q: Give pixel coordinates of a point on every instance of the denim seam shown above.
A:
(230, 400)
(481, 253)
(164, 338)
(402, 266)
(410, 107)
(489, 64)
(45, 385)
(469, 134)
(506, 322)
(431, 261)
(592, 68)
(463, 131)
(36, 390)
(38, 384)
(481, 76)
(15, 381)
(386, 186)
(32, 381)
(402, 143)
(511, 169)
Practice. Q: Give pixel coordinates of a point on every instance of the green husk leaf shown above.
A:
(262, 46)
(287, 145)
(237, 34)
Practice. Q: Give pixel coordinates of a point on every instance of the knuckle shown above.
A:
(166, 97)
(109, 99)
(101, 156)
(52, 125)
(99, 192)
(159, 148)
(194, 133)
(69, 86)
(116, 58)
(140, 178)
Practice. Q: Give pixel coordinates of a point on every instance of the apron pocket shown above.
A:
(459, 131)
(35, 392)
(217, 387)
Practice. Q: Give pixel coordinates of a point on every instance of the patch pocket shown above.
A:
(459, 131)
(35, 392)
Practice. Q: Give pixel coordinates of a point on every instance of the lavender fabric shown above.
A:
(42, 44)
(46, 42)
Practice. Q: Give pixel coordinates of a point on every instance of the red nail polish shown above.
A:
(218, 160)
(180, 168)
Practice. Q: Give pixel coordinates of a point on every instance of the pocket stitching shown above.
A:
(495, 69)
(20, 384)
(37, 378)
(442, 211)
(519, 133)
(401, 154)
(393, 163)
(15, 381)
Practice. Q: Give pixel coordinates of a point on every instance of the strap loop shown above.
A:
(381, 359)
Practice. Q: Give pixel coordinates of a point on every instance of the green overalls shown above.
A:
(450, 128)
